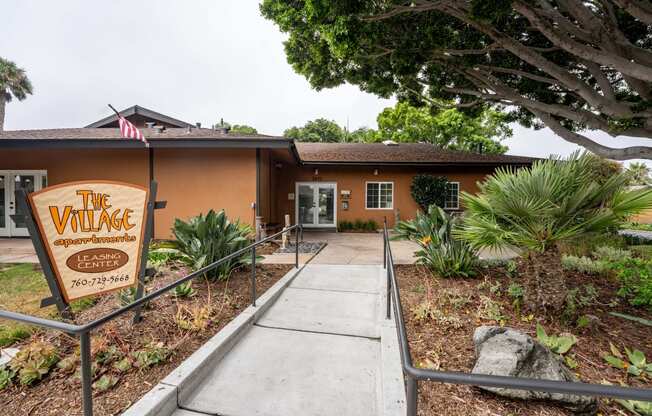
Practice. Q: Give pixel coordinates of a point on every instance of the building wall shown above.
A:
(193, 181)
(353, 179)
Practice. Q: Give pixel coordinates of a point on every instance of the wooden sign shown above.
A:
(93, 233)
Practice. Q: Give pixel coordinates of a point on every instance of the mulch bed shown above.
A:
(59, 393)
(446, 344)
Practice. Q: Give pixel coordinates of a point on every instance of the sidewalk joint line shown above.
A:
(317, 332)
(334, 290)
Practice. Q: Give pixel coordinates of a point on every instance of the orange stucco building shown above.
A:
(248, 176)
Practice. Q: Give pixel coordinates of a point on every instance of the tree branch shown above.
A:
(638, 9)
(626, 153)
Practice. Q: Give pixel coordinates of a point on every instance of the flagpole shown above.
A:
(119, 116)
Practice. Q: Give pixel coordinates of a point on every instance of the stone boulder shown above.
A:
(507, 352)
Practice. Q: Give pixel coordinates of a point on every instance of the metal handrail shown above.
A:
(84, 330)
(413, 375)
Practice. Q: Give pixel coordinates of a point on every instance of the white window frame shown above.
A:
(366, 189)
(457, 202)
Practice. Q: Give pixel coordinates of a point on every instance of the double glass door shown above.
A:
(316, 204)
(11, 182)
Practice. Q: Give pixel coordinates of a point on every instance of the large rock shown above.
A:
(508, 352)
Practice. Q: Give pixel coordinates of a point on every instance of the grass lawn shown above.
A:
(23, 287)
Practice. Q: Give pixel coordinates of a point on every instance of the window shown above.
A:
(380, 195)
(452, 196)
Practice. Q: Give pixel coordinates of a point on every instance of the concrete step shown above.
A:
(277, 372)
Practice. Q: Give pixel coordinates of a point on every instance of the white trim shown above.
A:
(457, 205)
(315, 195)
(10, 230)
(365, 196)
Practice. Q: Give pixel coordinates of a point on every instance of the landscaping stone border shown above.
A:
(163, 399)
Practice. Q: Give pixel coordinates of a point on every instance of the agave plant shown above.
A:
(554, 201)
(440, 250)
(204, 239)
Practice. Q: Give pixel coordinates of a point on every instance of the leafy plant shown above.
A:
(440, 251)
(490, 310)
(126, 296)
(635, 276)
(537, 208)
(641, 321)
(106, 382)
(123, 365)
(34, 361)
(428, 190)
(636, 406)
(108, 355)
(634, 361)
(6, 375)
(194, 318)
(559, 344)
(584, 265)
(611, 254)
(185, 290)
(204, 239)
(151, 354)
(69, 363)
(515, 291)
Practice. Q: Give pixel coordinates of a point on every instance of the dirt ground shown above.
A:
(443, 339)
(59, 392)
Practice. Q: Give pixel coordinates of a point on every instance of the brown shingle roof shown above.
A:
(403, 153)
(114, 133)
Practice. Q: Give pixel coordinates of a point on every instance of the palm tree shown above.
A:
(13, 84)
(639, 174)
(535, 209)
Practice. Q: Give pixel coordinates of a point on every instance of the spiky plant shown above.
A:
(536, 208)
(13, 84)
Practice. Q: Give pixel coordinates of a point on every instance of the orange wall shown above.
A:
(353, 179)
(193, 181)
(65, 165)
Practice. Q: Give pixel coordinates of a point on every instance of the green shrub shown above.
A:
(371, 225)
(584, 265)
(429, 190)
(345, 225)
(440, 251)
(588, 244)
(611, 254)
(359, 225)
(205, 239)
(636, 280)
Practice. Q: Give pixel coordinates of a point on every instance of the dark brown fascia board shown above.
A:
(415, 164)
(133, 144)
(136, 109)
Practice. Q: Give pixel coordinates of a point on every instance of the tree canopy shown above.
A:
(319, 130)
(13, 84)
(571, 65)
(243, 129)
(447, 128)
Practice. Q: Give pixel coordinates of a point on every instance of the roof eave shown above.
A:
(232, 143)
(385, 163)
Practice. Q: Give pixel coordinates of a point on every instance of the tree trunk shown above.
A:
(3, 102)
(545, 283)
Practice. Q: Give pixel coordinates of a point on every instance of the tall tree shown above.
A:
(571, 65)
(13, 84)
(446, 128)
(319, 130)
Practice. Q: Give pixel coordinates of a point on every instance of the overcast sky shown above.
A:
(198, 61)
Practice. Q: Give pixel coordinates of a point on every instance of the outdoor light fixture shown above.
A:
(375, 172)
(316, 172)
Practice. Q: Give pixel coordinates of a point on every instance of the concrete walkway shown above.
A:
(17, 250)
(323, 348)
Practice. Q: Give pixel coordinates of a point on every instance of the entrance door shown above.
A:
(11, 182)
(316, 204)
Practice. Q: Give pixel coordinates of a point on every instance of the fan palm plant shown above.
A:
(13, 84)
(534, 209)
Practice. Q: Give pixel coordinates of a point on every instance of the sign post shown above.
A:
(93, 234)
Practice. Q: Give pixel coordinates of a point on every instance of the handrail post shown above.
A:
(296, 247)
(412, 396)
(86, 372)
(253, 276)
(384, 242)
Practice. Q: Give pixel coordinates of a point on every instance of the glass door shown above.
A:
(4, 204)
(13, 182)
(306, 204)
(316, 204)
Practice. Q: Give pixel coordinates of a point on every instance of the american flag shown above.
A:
(129, 131)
